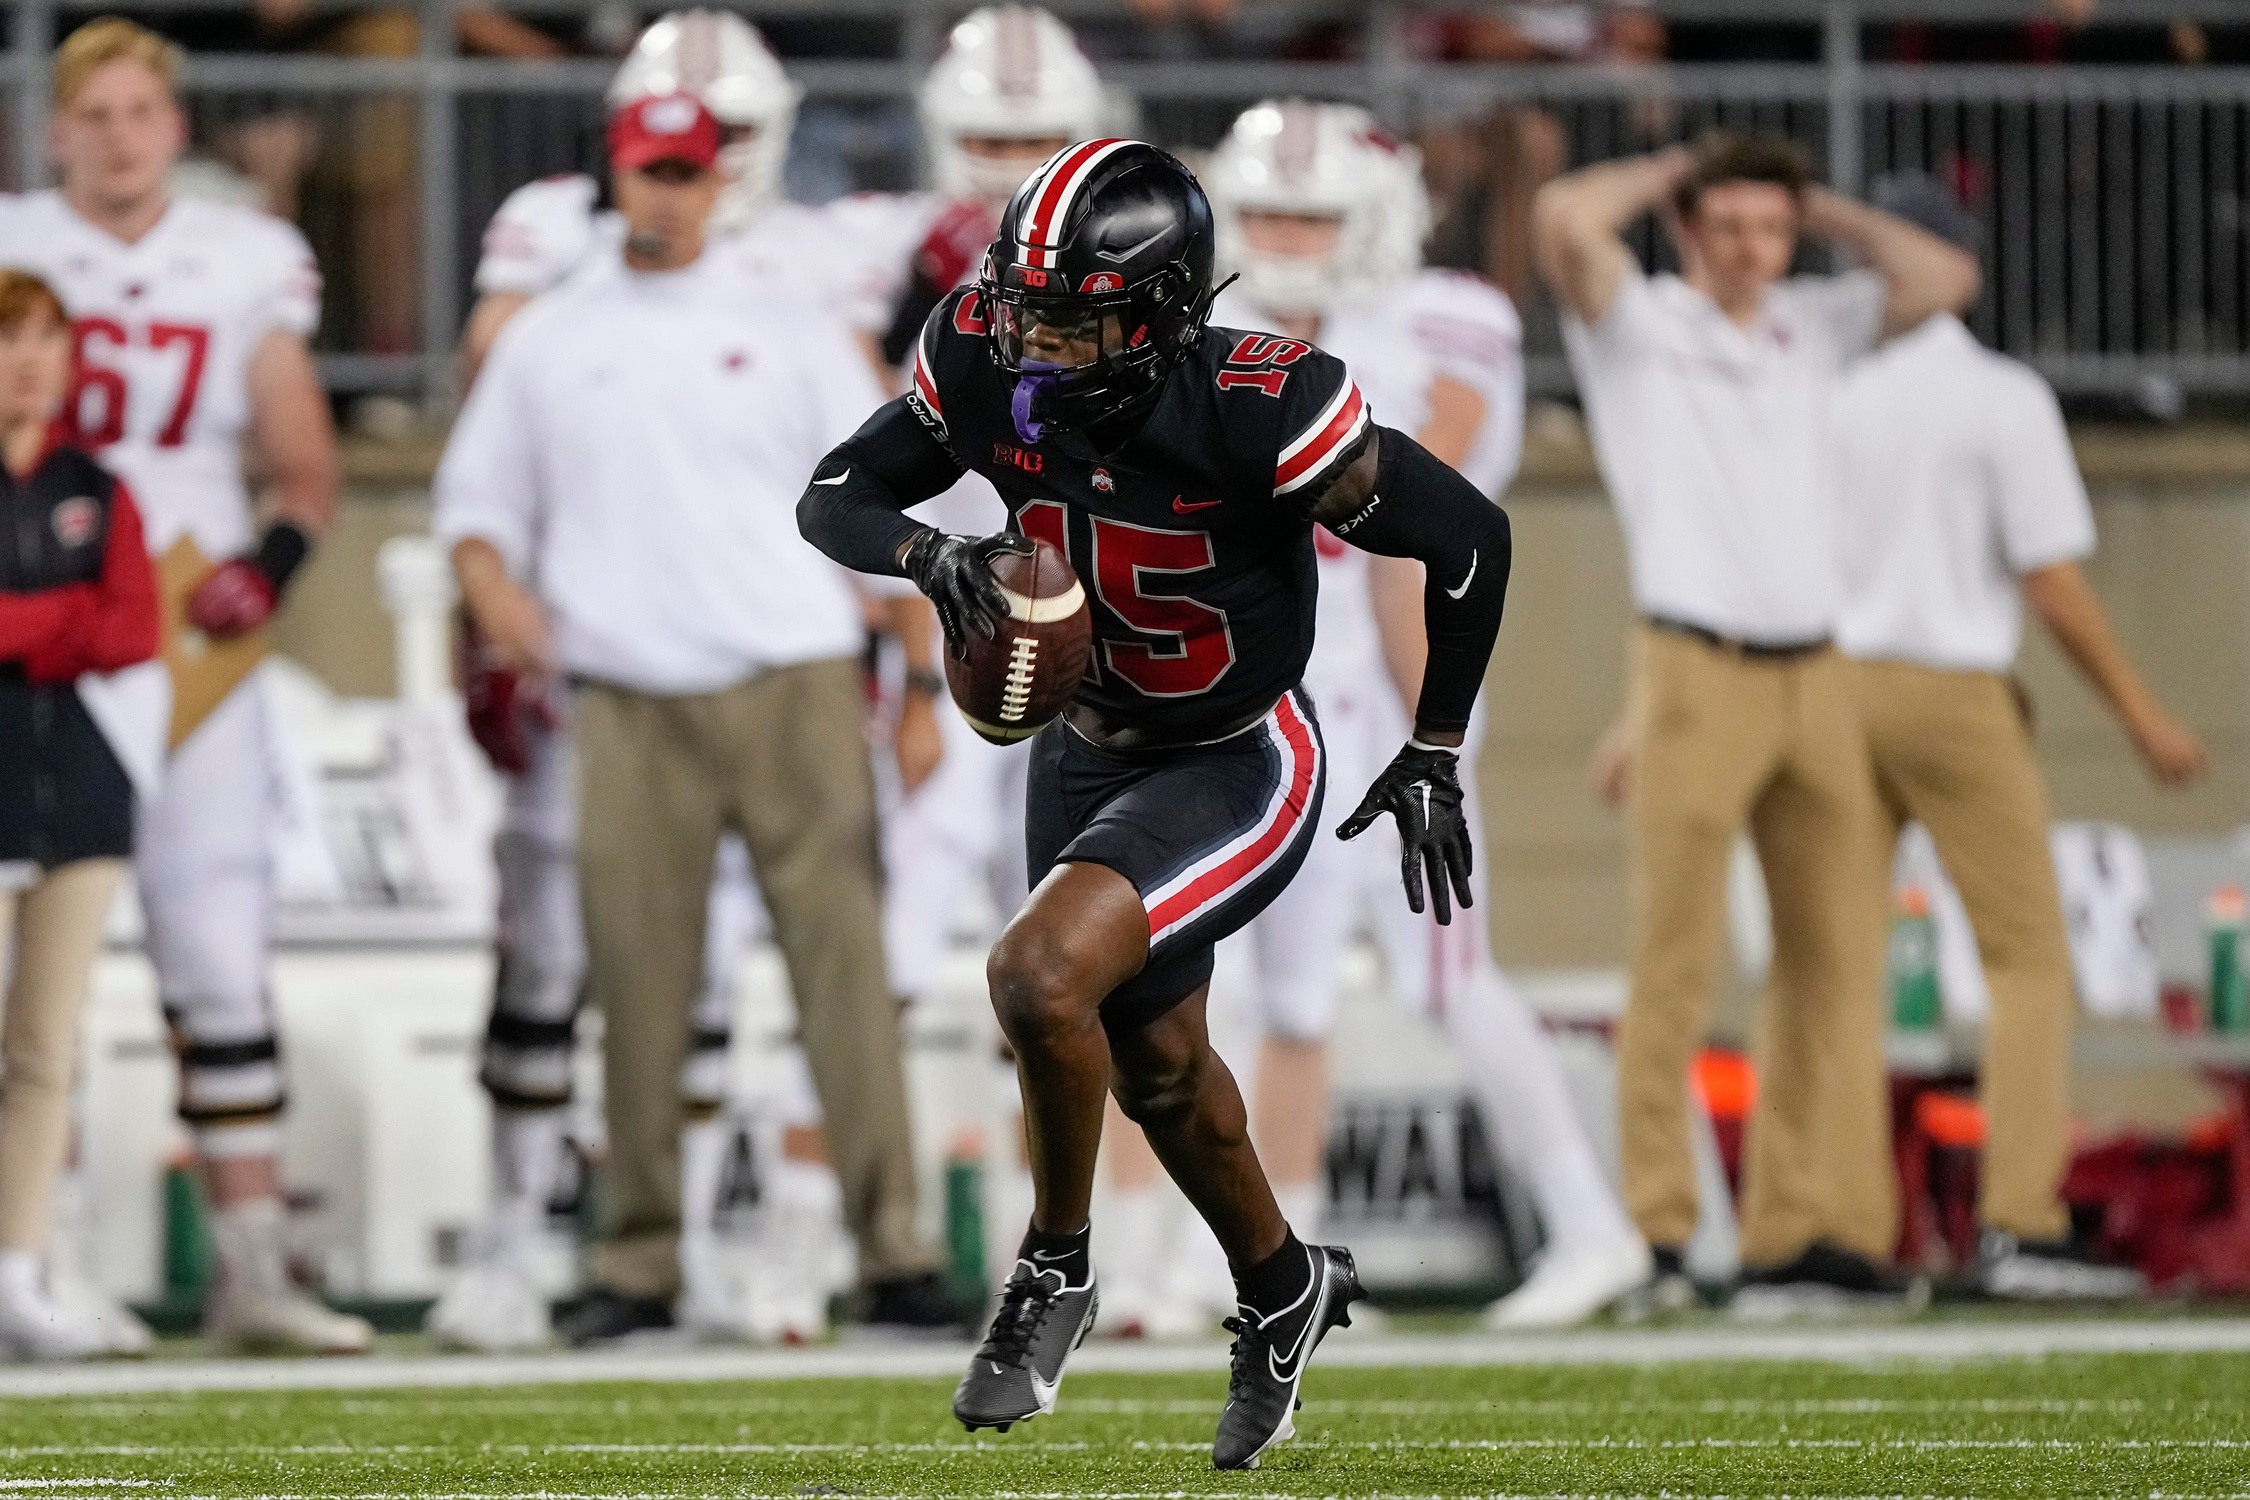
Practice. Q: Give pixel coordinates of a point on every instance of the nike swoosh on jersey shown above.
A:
(1119, 257)
(1449, 593)
(1181, 506)
(840, 478)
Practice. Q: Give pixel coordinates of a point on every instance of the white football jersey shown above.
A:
(1435, 323)
(165, 329)
(850, 255)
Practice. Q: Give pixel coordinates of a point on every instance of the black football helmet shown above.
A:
(1099, 283)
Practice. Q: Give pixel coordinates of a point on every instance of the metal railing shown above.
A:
(2113, 199)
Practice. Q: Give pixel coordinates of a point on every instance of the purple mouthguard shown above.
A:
(1032, 379)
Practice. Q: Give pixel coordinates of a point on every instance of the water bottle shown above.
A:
(1915, 1005)
(2230, 987)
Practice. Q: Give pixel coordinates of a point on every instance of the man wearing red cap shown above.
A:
(619, 496)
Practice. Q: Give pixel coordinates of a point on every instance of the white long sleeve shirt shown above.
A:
(634, 449)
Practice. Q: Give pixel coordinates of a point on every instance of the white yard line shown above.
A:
(1827, 1343)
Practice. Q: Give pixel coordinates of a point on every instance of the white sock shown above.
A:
(703, 1163)
(20, 1281)
(1132, 1221)
(805, 1210)
(1303, 1204)
(527, 1155)
(249, 1238)
(1520, 1092)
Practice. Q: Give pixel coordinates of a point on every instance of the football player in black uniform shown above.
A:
(1182, 469)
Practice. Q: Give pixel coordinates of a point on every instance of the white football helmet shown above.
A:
(720, 57)
(1294, 157)
(1008, 71)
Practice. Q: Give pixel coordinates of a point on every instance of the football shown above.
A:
(1008, 687)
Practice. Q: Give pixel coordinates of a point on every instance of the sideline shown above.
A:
(1830, 1343)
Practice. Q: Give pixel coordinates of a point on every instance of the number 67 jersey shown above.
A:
(165, 329)
(1192, 537)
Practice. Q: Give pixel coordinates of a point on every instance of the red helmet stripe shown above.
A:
(1050, 204)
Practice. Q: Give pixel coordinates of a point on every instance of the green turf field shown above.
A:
(2146, 1425)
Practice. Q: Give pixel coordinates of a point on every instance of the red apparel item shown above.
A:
(955, 243)
(504, 707)
(61, 633)
(236, 599)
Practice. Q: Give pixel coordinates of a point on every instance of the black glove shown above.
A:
(956, 573)
(1421, 787)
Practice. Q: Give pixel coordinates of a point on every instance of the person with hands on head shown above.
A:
(1183, 467)
(77, 596)
(1707, 395)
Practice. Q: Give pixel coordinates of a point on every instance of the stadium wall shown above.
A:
(2173, 507)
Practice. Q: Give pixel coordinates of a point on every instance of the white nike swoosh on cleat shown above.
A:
(1319, 1289)
(1043, 1392)
(1449, 593)
(840, 478)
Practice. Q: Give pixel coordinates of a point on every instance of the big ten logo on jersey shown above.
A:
(1008, 455)
(1260, 360)
(97, 408)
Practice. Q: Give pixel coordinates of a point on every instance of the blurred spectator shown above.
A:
(1482, 174)
(77, 595)
(636, 445)
(1705, 394)
(1960, 502)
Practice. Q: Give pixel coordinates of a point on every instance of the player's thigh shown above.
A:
(1081, 935)
(205, 869)
(1208, 837)
(1297, 944)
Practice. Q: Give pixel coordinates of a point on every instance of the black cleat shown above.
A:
(1019, 1367)
(1270, 1355)
(603, 1316)
(917, 1304)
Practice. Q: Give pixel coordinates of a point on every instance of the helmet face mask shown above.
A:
(1330, 161)
(1098, 285)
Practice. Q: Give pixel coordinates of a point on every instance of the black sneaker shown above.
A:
(917, 1304)
(1825, 1278)
(1019, 1367)
(2021, 1270)
(603, 1315)
(1270, 1354)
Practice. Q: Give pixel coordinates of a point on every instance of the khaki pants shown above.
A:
(1720, 741)
(1951, 752)
(782, 759)
(56, 926)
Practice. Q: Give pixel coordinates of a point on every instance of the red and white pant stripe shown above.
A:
(1214, 879)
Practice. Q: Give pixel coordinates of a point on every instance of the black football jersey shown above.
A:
(1192, 539)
